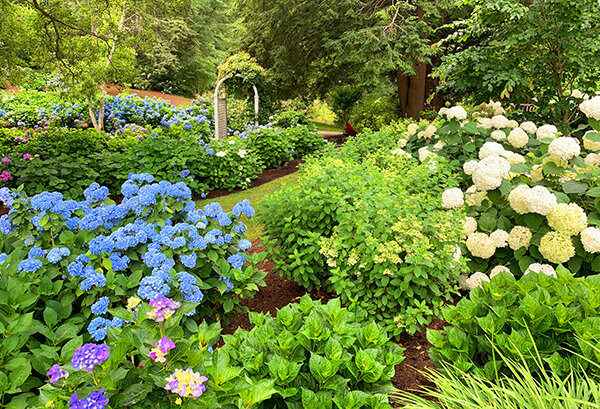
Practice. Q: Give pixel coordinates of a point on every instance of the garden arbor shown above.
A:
(221, 107)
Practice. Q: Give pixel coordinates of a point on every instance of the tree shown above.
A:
(526, 50)
(308, 47)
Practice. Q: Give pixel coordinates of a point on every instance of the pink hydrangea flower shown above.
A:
(187, 384)
(160, 350)
(27, 156)
(163, 308)
(4, 176)
(5, 160)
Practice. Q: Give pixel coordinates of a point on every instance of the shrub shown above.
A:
(343, 99)
(373, 232)
(305, 140)
(374, 113)
(310, 355)
(272, 146)
(556, 319)
(63, 261)
(290, 118)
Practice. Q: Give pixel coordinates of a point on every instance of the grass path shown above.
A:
(255, 195)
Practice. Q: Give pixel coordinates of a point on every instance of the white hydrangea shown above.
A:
(592, 159)
(489, 172)
(519, 236)
(462, 281)
(518, 138)
(241, 153)
(546, 131)
(541, 268)
(452, 198)
(425, 153)
(517, 198)
(481, 245)
(500, 121)
(500, 238)
(498, 270)
(485, 123)
(439, 145)
(443, 111)
(469, 166)
(540, 200)
(591, 108)
(430, 131)
(220, 154)
(457, 112)
(498, 134)
(577, 94)
(590, 238)
(412, 129)
(491, 149)
(400, 152)
(470, 226)
(476, 280)
(512, 124)
(589, 144)
(514, 158)
(402, 142)
(529, 127)
(564, 148)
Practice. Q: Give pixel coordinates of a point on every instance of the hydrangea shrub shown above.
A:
(67, 266)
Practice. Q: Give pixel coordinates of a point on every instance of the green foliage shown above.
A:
(310, 355)
(343, 100)
(361, 230)
(305, 140)
(290, 118)
(523, 389)
(271, 145)
(547, 61)
(555, 319)
(374, 112)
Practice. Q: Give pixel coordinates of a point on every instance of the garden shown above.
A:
(413, 224)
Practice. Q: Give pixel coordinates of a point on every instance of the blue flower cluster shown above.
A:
(156, 231)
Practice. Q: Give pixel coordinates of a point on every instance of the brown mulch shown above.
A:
(280, 292)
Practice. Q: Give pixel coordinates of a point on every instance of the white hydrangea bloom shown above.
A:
(546, 131)
(591, 108)
(540, 200)
(457, 112)
(476, 280)
(500, 121)
(439, 145)
(518, 138)
(489, 172)
(529, 127)
(412, 129)
(470, 226)
(452, 198)
(443, 111)
(519, 236)
(577, 94)
(400, 152)
(517, 199)
(241, 153)
(485, 123)
(564, 148)
(592, 159)
(500, 238)
(589, 144)
(469, 166)
(457, 253)
(590, 238)
(402, 142)
(498, 134)
(220, 154)
(430, 131)
(498, 270)
(541, 268)
(425, 153)
(481, 245)
(512, 124)
(514, 158)
(491, 149)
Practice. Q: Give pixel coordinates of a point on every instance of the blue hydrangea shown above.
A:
(3, 258)
(30, 265)
(56, 254)
(101, 306)
(37, 252)
(98, 328)
(243, 207)
(6, 226)
(6, 197)
(244, 244)
(95, 193)
(226, 281)
(93, 280)
(119, 263)
(236, 260)
(152, 287)
(189, 260)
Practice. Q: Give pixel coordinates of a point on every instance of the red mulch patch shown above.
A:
(280, 292)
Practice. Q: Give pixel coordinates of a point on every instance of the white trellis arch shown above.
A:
(218, 123)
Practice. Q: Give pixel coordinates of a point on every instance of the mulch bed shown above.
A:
(280, 292)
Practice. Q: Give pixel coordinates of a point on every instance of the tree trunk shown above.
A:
(92, 115)
(402, 91)
(411, 91)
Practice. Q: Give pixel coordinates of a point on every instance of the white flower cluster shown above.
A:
(425, 153)
(489, 172)
(538, 199)
(589, 144)
(491, 149)
(452, 198)
(564, 148)
(592, 159)
(470, 283)
(541, 268)
(412, 129)
(485, 123)
(591, 108)
(481, 245)
(498, 135)
(500, 122)
(518, 138)
(590, 238)
(546, 131)
(529, 127)
(456, 112)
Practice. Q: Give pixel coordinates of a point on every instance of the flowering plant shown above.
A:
(67, 266)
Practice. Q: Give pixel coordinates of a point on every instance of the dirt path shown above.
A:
(173, 99)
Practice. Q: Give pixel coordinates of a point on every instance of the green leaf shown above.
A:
(574, 187)
(594, 192)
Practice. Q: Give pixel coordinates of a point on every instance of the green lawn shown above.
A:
(255, 195)
(321, 126)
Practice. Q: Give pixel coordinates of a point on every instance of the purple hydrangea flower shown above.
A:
(89, 355)
(56, 373)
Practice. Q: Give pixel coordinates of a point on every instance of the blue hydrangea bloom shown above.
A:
(236, 260)
(101, 306)
(30, 265)
(152, 287)
(244, 244)
(189, 260)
